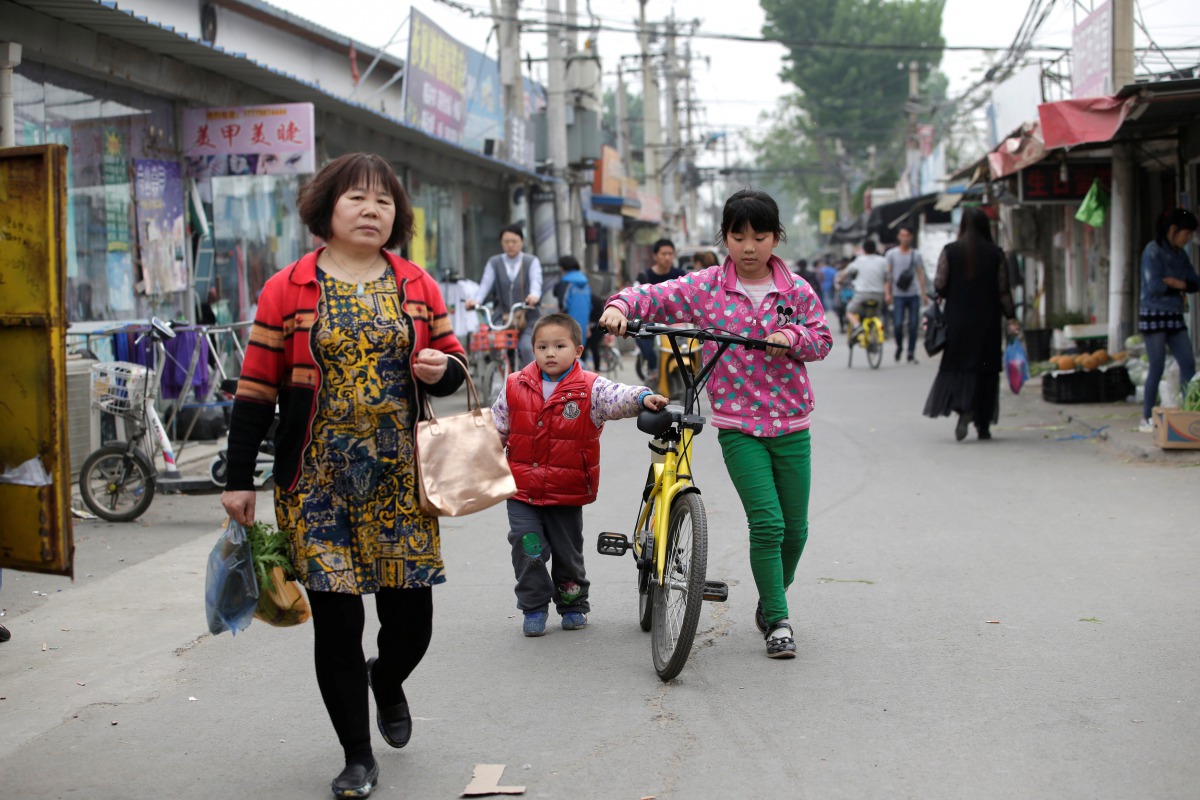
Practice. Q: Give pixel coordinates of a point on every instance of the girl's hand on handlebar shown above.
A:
(655, 402)
(781, 342)
(239, 506)
(613, 321)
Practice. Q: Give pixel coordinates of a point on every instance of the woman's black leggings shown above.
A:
(405, 627)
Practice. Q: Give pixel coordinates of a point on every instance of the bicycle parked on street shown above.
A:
(670, 538)
(869, 334)
(493, 351)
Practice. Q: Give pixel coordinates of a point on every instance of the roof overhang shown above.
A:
(108, 19)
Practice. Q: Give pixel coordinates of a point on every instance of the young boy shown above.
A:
(550, 415)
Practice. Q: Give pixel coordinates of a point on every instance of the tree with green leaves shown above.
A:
(849, 61)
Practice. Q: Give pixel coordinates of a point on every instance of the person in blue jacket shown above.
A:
(574, 293)
(1167, 277)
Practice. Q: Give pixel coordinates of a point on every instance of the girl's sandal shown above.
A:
(781, 646)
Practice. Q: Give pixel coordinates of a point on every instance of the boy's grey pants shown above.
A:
(540, 534)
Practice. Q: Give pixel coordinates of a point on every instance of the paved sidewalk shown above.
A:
(1112, 425)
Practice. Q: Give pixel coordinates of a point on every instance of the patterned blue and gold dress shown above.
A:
(355, 521)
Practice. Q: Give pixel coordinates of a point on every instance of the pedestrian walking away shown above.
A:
(550, 416)
(574, 293)
(663, 269)
(346, 340)
(1167, 278)
(906, 275)
(761, 404)
(972, 277)
(509, 278)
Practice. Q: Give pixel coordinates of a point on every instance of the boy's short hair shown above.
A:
(563, 321)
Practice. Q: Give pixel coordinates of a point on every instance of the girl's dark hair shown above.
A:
(561, 320)
(568, 263)
(354, 171)
(514, 229)
(1181, 218)
(754, 208)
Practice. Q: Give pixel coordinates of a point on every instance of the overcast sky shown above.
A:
(740, 81)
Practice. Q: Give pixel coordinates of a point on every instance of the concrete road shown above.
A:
(1014, 618)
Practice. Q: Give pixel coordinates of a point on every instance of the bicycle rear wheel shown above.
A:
(677, 601)
(875, 345)
(610, 361)
(116, 484)
(495, 373)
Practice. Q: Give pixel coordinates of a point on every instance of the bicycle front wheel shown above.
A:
(116, 484)
(677, 601)
(494, 376)
(610, 361)
(875, 346)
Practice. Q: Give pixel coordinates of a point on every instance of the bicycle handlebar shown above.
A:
(641, 330)
(485, 313)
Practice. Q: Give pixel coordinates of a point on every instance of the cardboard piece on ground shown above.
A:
(1175, 429)
(484, 781)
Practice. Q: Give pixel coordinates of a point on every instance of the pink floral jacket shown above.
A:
(749, 391)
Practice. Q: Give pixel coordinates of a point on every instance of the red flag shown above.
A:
(353, 64)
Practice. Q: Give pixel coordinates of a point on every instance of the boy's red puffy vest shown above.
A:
(553, 445)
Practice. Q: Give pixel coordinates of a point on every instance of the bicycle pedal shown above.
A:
(716, 591)
(613, 544)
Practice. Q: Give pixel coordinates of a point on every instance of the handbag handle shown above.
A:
(472, 395)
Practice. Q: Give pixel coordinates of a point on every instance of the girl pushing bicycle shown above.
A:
(760, 401)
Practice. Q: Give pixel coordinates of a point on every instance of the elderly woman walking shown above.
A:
(345, 340)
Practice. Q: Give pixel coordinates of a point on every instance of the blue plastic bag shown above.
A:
(230, 589)
(1016, 365)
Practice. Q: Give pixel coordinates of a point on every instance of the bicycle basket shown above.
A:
(482, 340)
(119, 387)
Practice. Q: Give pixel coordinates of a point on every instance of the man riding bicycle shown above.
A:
(869, 273)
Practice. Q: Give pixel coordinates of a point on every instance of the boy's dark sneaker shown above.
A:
(535, 623)
(574, 620)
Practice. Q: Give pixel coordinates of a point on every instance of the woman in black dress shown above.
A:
(972, 277)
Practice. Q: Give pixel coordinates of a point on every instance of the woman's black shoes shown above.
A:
(395, 722)
(356, 780)
(960, 430)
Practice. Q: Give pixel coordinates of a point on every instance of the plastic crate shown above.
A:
(1073, 387)
(504, 339)
(1115, 385)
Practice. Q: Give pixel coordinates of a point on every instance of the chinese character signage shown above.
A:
(1042, 183)
(435, 81)
(1091, 54)
(249, 140)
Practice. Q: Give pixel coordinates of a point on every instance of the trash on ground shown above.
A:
(485, 780)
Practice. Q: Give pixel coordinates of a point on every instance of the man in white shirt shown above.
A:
(869, 272)
(512, 277)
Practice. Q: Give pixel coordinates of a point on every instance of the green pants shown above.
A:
(773, 478)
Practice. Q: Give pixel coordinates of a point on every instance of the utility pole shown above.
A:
(693, 210)
(914, 143)
(1120, 245)
(512, 85)
(556, 125)
(840, 153)
(624, 144)
(10, 59)
(674, 152)
(652, 133)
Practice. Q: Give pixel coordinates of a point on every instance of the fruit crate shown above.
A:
(1115, 385)
(1073, 387)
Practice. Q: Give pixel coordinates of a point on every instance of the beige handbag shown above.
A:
(460, 461)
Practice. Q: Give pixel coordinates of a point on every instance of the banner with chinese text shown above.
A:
(249, 140)
(435, 82)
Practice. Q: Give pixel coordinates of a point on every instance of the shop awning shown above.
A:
(1024, 147)
(885, 219)
(849, 231)
(1090, 119)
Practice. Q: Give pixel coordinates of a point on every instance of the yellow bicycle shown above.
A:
(869, 334)
(670, 539)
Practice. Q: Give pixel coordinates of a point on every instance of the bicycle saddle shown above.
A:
(163, 329)
(655, 423)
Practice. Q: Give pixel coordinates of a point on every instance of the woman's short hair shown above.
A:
(514, 229)
(754, 208)
(354, 171)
